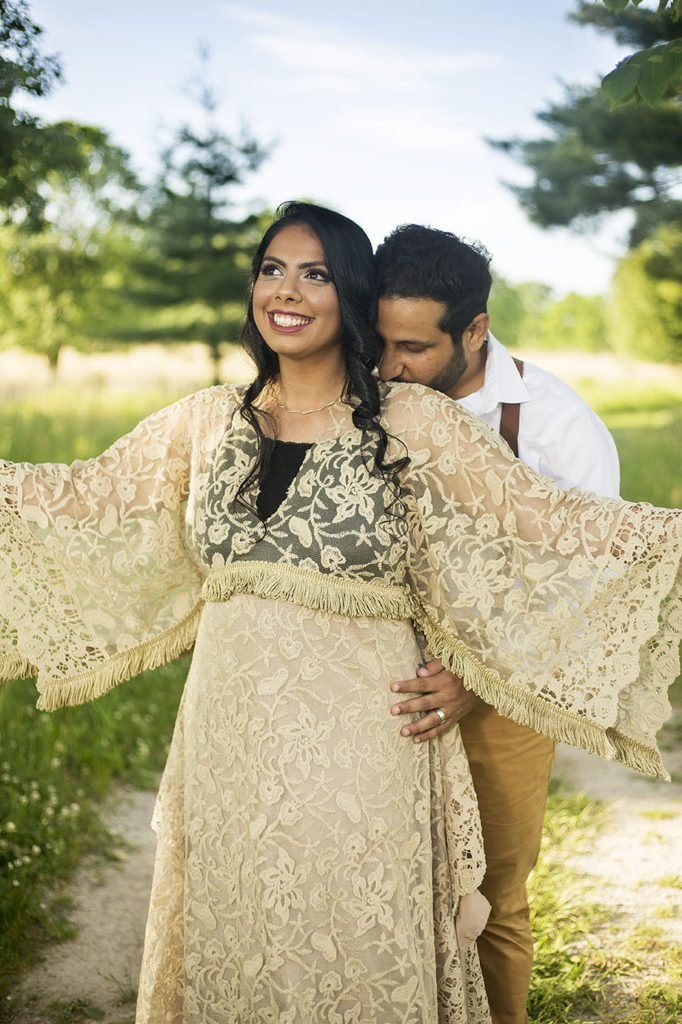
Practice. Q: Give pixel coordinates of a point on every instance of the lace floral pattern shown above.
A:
(324, 856)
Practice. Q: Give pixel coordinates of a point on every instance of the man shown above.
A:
(433, 293)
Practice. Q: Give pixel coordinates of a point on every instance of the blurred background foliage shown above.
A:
(94, 258)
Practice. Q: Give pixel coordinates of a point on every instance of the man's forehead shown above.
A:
(410, 317)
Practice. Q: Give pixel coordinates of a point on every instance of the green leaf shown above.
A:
(654, 77)
(646, 75)
(616, 5)
(620, 85)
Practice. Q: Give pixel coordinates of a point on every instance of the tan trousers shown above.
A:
(510, 766)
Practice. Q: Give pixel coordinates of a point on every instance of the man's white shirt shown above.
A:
(559, 434)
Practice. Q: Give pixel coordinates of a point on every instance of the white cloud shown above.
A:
(340, 62)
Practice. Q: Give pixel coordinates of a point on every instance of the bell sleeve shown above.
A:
(561, 609)
(97, 578)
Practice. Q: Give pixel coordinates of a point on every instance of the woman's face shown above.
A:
(295, 305)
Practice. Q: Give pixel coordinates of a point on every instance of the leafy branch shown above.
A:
(648, 75)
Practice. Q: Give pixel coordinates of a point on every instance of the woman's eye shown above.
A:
(270, 270)
(318, 275)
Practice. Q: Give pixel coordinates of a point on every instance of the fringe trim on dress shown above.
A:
(535, 712)
(157, 650)
(274, 581)
(13, 666)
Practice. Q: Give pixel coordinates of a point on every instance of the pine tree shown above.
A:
(595, 160)
(197, 257)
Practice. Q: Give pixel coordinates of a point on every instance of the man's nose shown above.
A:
(390, 365)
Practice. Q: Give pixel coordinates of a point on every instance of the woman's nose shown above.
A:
(288, 289)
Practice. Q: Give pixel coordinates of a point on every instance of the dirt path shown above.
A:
(100, 966)
(640, 845)
(633, 867)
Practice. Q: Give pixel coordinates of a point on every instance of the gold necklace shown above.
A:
(306, 412)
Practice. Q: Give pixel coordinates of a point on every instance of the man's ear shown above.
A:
(476, 333)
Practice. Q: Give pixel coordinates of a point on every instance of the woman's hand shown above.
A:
(441, 691)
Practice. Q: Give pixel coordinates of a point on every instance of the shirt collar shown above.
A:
(502, 382)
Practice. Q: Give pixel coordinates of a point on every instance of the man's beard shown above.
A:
(450, 374)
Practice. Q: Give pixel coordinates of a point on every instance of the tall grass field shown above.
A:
(55, 769)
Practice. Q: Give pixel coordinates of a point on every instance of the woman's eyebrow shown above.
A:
(301, 266)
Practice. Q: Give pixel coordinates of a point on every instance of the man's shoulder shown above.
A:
(563, 437)
(544, 386)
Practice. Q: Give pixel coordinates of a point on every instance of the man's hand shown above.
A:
(440, 689)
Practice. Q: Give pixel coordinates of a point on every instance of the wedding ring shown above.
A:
(441, 714)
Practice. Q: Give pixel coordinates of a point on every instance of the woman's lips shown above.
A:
(288, 323)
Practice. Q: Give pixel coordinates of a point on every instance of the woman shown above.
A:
(310, 864)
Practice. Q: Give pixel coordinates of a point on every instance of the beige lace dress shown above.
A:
(310, 862)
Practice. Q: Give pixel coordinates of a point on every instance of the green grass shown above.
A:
(645, 419)
(670, 882)
(588, 968)
(55, 769)
(568, 975)
(658, 814)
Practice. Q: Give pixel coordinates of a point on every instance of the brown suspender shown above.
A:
(509, 418)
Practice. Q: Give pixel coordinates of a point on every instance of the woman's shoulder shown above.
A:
(199, 415)
(218, 396)
(424, 418)
(218, 402)
(416, 405)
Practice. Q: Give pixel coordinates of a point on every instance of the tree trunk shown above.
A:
(215, 357)
(53, 354)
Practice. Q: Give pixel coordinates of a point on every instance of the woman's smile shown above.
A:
(288, 323)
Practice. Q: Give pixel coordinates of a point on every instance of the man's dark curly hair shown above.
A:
(421, 262)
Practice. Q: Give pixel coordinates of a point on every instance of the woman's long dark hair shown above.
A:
(350, 263)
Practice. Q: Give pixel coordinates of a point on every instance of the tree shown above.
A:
(652, 72)
(596, 161)
(574, 322)
(645, 308)
(49, 284)
(31, 151)
(507, 312)
(58, 265)
(516, 310)
(59, 283)
(197, 257)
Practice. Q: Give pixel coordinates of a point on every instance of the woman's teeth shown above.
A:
(286, 320)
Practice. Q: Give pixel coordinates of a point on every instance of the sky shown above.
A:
(379, 108)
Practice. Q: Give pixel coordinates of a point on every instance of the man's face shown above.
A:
(416, 350)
